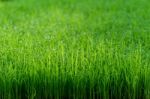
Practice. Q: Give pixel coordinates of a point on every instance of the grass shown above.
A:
(74, 49)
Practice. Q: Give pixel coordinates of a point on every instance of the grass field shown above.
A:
(74, 49)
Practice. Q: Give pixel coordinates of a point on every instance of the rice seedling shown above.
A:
(74, 49)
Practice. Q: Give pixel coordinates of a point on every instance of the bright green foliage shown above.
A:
(75, 49)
